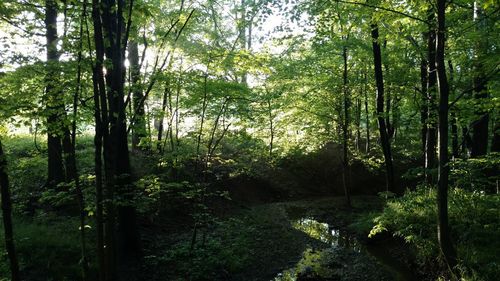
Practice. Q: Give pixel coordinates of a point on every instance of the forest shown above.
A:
(246, 140)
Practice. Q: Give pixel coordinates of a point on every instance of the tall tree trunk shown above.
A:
(384, 136)
(424, 110)
(367, 116)
(166, 93)
(7, 217)
(55, 104)
(243, 34)
(345, 129)
(139, 124)
(442, 195)
(105, 225)
(454, 126)
(271, 127)
(480, 126)
(358, 124)
(71, 168)
(129, 249)
(98, 179)
(388, 99)
(431, 137)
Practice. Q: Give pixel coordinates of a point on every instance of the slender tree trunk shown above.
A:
(384, 136)
(7, 217)
(105, 226)
(358, 124)
(454, 126)
(162, 116)
(431, 137)
(139, 124)
(98, 180)
(129, 248)
(442, 194)
(424, 109)
(271, 127)
(367, 116)
(495, 141)
(71, 168)
(388, 99)
(55, 104)
(480, 126)
(345, 128)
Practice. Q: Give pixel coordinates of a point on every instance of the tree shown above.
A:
(7, 217)
(55, 104)
(110, 38)
(384, 135)
(443, 174)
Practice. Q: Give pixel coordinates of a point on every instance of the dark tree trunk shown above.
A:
(367, 116)
(480, 126)
(424, 106)
(105, 230)
(164, 102)
(388, 100)
(442, 195)
(467, 141)
(495, 142)
(55, 106)
(7, 217)
(128, 242)
(454, 126)
(139, 124)
(345, 130)
(71, 168)
(271, 127)
(431, 137)
(384, 136)
(358, 124)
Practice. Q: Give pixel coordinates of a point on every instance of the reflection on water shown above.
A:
(325, 233)
(319, 262)
(340, 256)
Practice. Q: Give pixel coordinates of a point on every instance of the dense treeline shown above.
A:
(128, 116)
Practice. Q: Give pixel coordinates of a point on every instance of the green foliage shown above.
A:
(473, 218)
(223, 252)
(47, 247)
(477, 174)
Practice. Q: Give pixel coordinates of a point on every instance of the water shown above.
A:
(342, 257)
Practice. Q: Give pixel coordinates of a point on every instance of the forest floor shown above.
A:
(311, 239)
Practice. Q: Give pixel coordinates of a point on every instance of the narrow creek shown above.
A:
(342, 257)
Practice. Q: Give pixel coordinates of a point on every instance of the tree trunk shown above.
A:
(55, 106)
(166, 93)
(139, 124)
(7, 217)
(129, 249)
(442, 194)
(431, 137)
(271, 127)
(454, 126)
(388, 99)
(384, 136)
(358, 124)
(424, 110)
(71, 168)
(495, 142)
(345, 128)
(367, 116)
(105, 230)
(480, 126)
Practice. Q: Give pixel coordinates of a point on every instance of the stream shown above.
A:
(342, 256)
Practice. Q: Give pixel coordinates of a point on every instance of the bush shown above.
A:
(473, 218)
